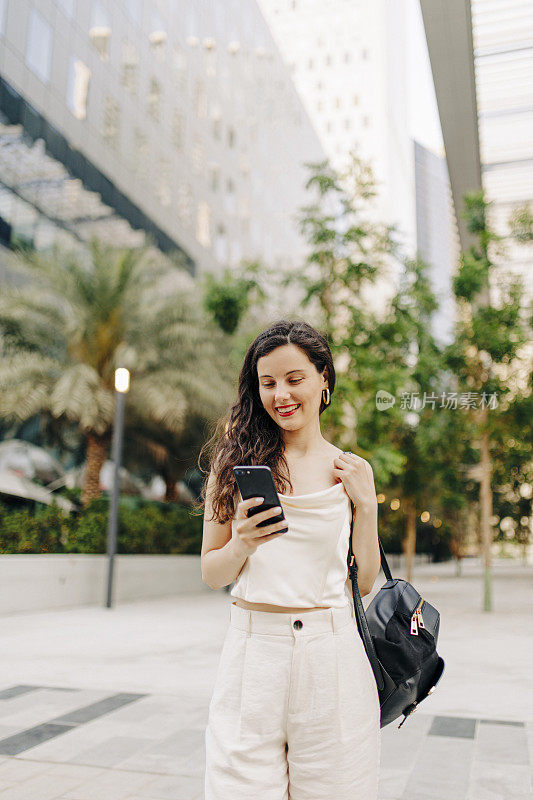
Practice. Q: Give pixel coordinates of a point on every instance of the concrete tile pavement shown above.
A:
(140, 677)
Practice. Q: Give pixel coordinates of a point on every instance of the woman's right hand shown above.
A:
(247, 535)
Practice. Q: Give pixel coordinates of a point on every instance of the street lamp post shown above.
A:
(122, 384)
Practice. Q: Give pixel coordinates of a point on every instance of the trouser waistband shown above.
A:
(291, 624)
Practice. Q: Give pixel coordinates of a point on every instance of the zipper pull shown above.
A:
(408, 711)
(414, 625)
(420, 620)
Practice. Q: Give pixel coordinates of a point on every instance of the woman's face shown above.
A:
(287, 378)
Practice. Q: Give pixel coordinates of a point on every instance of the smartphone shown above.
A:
(258, 482)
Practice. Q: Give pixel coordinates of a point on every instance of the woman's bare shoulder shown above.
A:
(335, 451)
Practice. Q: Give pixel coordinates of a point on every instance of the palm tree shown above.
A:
(72, 318)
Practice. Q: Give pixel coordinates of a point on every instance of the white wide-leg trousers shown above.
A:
(295, 711)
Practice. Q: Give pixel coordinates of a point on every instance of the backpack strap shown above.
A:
(384, 563)
(362, 624)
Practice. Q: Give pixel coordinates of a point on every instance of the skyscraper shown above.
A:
(348, 62)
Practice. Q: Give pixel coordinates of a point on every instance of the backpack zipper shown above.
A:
(416, 618)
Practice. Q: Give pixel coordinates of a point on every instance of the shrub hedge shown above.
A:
(143, 527)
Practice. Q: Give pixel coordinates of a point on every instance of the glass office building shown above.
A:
(128, 118)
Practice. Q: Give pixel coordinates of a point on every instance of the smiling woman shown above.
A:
(289, 364)
(295, 697)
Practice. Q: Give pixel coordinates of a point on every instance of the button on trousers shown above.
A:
(295, 711)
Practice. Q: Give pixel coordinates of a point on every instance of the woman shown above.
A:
(295, 709)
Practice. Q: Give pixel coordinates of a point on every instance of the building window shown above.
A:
(133, 7)
(184, 204)
(39, 46)
(67, 7)
(179, 67)
(337, 102)
(154, 99)
(217, 128)
(140, 153)
(100, 30)
(162, 182)
(245, 164)
(329, 127)
(230, 186)
(366, 122)
(201, 100)
(111, 122)
(157, 37)
(319, 105)
(364, 54)
(214, 178)
(176, 129)
(235, 253)
(221, 245)
(203, 216)
(210, 61)
(244, 207)
(79, 76)
(197, 155)
(347, 124)
(231, 137)
(328, 61)
(355, 100)
(129, 66)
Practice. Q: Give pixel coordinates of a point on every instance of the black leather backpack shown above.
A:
(399, 632)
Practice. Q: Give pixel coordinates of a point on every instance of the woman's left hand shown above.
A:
(358, 479)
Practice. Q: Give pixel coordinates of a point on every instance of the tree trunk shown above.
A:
(485, 499)
(171, 491)
(97, 450)
(409, 543)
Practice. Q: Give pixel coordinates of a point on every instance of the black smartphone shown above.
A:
(258, 482)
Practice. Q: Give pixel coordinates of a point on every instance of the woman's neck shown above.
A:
(303, 444)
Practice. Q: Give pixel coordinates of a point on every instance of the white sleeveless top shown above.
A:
(307, 566)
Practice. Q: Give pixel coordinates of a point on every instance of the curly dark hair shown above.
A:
(246, 434)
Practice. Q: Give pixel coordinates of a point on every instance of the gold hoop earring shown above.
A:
(326, 401)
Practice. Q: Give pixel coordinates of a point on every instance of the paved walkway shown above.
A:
(112, 703)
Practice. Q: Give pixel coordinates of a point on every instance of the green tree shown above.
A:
(521, 224)
(70, 321)
(227, 299)
(380, 349)
(401, 358)
(485, 357)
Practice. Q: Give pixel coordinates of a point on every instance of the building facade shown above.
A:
(348, 61)
(436, 234)
(503, 60)
(174, 119)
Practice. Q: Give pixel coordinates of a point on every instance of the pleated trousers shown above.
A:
(295, 713)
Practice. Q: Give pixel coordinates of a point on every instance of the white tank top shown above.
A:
(307, 566)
